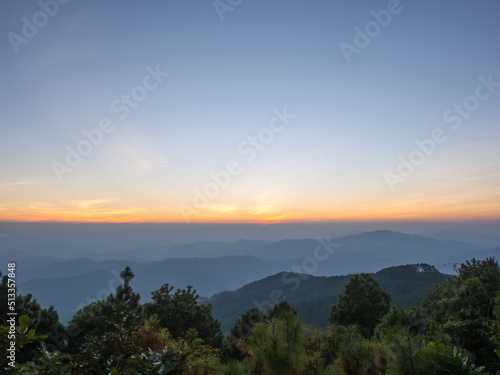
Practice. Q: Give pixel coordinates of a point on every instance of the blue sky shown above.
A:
(226, 78)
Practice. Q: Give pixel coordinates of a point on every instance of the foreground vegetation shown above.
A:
(455, 331)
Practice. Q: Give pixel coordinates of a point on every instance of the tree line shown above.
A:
(456, 330)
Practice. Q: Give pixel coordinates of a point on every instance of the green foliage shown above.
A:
(92, 319)
(235, 367)
(413, 319)
(279, 309)
(416, 354)
(180, 311)
(89, 321)
(202, 359)
(457, 331)
(465, 307)
(278, 345)
(24, 336)
(469, 296)
(123, 349)
(364, 303)
(356, 354)
(237, 338)
(246, 322)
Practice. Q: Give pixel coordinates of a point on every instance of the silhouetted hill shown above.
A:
(68, 251)
(367, 252)
(79, 266)
(28, 267)
(313, 296)
(285, 249)
(397, 245)
(214, 249)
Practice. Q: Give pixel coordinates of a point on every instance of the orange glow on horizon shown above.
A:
(412, 207)
(106, 217)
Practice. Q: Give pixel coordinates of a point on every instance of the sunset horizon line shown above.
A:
(291, 221)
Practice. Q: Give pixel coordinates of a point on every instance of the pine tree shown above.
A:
(364, 303)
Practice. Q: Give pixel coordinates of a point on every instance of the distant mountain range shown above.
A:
(284, 249)
(479, 239)
(69, 275)
(65, 250)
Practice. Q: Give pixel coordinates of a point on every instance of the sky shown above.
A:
(244, 111)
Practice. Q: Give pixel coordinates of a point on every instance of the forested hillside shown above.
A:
(369, 328)
(313, 296)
